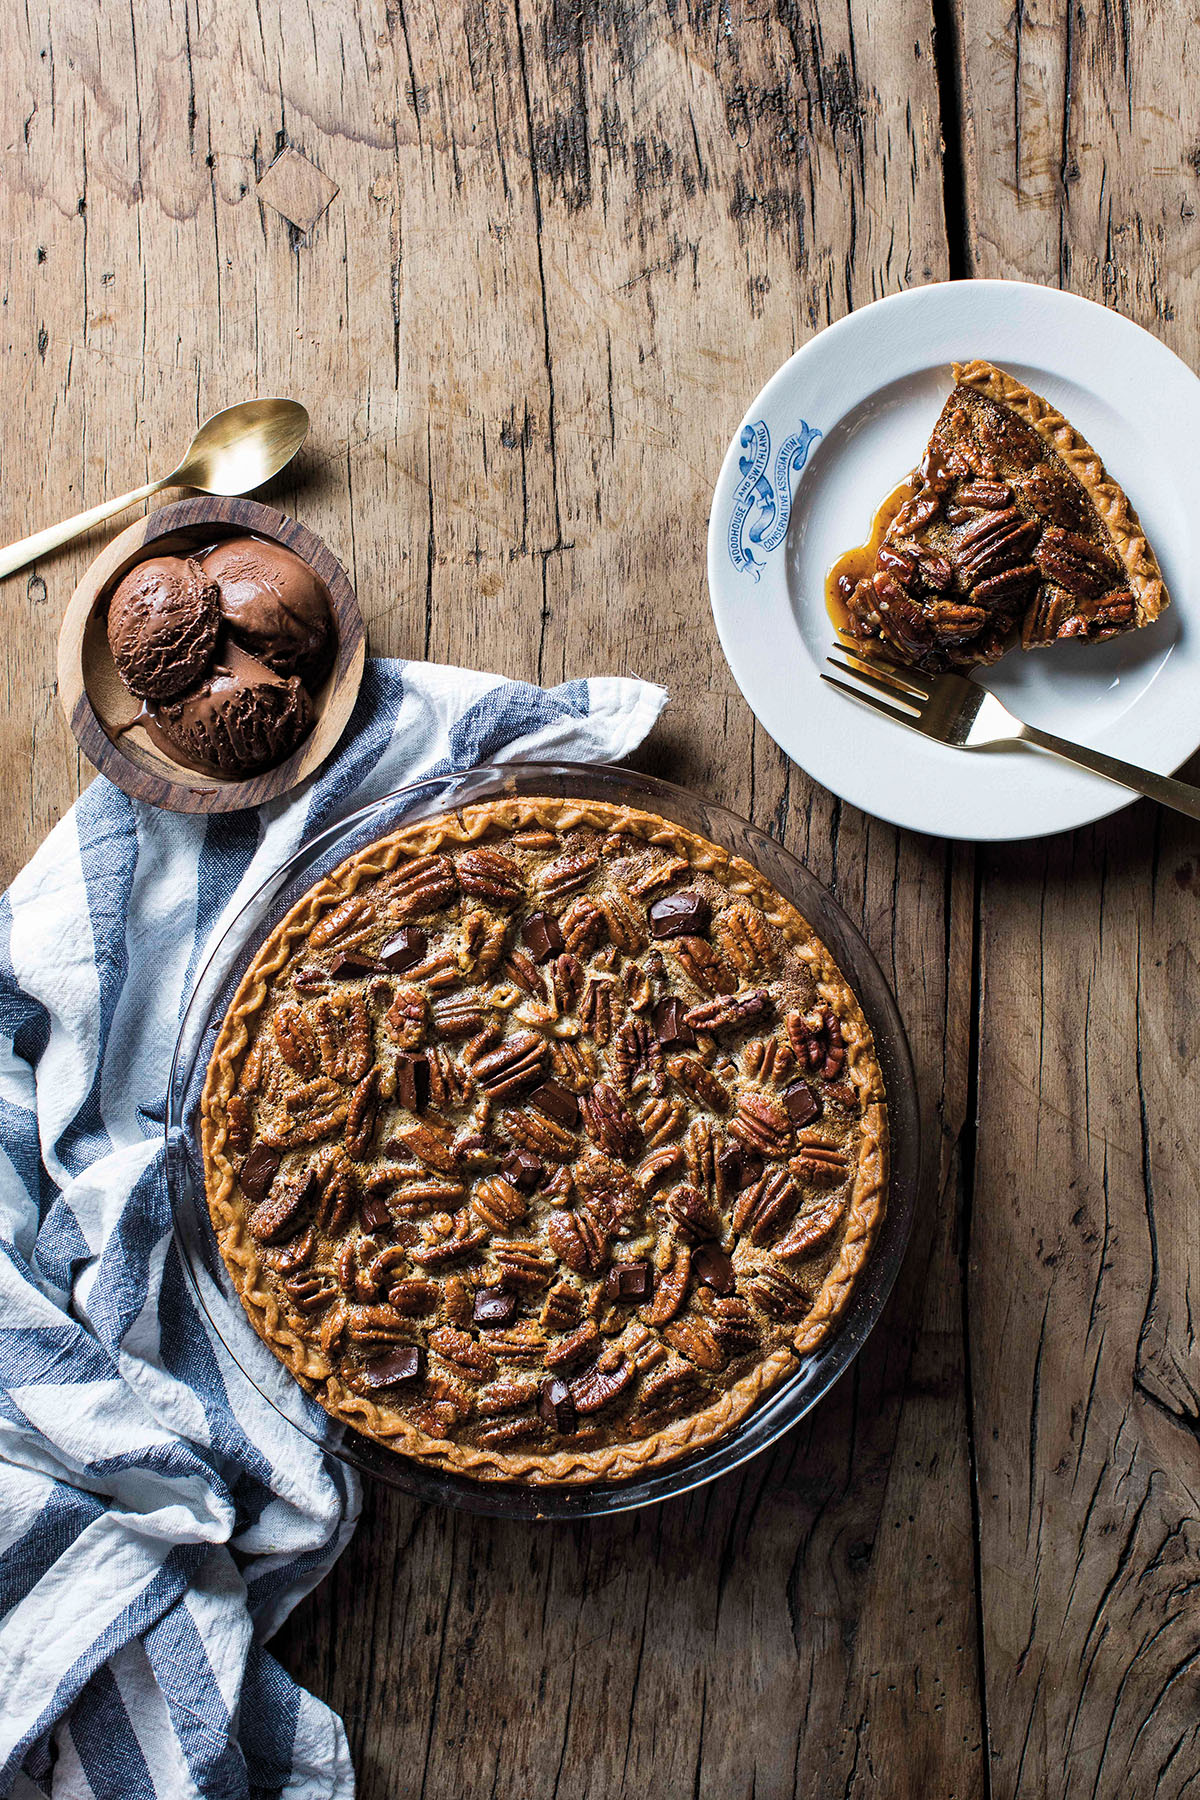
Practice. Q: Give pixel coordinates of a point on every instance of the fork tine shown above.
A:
(897, 675)
(879, 684)
(892, 712)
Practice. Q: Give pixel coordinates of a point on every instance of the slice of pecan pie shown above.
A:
(542, 1139)
(1011, 531)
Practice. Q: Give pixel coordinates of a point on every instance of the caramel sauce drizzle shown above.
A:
(853, 564)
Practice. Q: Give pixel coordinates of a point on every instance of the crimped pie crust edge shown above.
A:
(1107, 496)
(305, 1360)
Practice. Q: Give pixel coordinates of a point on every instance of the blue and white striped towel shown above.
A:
(158, 1519)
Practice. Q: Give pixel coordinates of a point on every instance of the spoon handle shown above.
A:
(15, 556)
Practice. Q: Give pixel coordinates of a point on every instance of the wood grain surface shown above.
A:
(526, 264)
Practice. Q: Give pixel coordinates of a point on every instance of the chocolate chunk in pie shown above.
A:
(1010, 530)
(542, 1139)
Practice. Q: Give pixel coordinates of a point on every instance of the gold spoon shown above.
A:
(233, 452)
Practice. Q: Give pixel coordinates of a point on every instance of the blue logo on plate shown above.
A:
(763, 502)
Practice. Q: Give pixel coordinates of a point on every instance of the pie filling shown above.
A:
(1011, 531)
(542, 1139)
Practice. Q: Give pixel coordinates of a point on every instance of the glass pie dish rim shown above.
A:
(212, 990)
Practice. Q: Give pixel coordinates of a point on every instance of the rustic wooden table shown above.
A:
(526, 265)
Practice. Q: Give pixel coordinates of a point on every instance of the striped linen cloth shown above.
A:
(158, 1519)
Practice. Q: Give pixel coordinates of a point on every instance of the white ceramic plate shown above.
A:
(833, 432)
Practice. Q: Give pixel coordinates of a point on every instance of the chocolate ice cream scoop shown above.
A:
(163, 623)
(275, 605)
(242, 717)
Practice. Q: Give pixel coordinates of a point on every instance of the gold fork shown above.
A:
(954, 710)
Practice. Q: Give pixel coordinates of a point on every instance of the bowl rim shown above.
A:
(185, 793)
(784, 1407)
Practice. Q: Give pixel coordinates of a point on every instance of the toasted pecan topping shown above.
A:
(555, 1167)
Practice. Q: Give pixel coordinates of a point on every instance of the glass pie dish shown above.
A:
(786, 1404)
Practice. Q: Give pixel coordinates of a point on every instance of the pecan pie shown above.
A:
(542, 1139)
(1010, 530)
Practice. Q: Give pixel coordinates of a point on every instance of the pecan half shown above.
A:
(279, 1216)
(607, 1189)
(507, 1394)
(667, 1388)
(482, 942)
(916, 513)
(638, 1057)
(574, 1348)
(413, 1296)
(367, 1324)
(704, 966)
(657, 875)
(362, 1116)
(819, 1161)
(357, 911)
(988, 496)
(497, 1204)
(763, 1125)
(768, 1059)
(405, 1018)
(745, 937)
(567, 979)
(1003, 592)
(460, 1016)
(731, 1012)
(544, 1137)
(583, 925)
(695, 1215)
(424, 885)
(671, 1288)
(699, 1082)
(567, 873)
(995, 541)
(764, 1209)
(428, 1146)
(608, 1122)
(779, 1296)
(436, 1251)
(491, 875)
(652, 1168)
(562, 1307)
(297, 1041)
(936, 570)
(601, 1384)
(317, 1111)
(596, 1007)
(696, 1340)
(577, 1240)
(461, 1349)
(574, 1065)
(1075, 563)
(344, 1034)
(811, 1231)
(899, 619)
(449, 1085)
(310, 1293)
(238, 1125)
(521, 1264)
(661, 1120)
(515, 1065)
(525, 1342)
(731, 1321)
(625, 927)
(817, 1041)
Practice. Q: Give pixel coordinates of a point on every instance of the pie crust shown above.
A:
(754, 1159)
(1011, 530)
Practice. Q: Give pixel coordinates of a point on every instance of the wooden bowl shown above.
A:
(99, 707)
